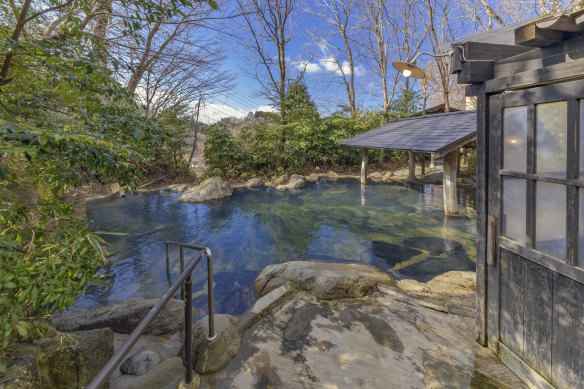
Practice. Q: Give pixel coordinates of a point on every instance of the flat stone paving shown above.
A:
(390, 339)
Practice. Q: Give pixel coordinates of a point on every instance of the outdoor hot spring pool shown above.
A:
(400, 229)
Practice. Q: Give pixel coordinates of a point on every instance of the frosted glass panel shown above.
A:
(551, 138)
(580, 261)
(515, 139)
(514, 209)
(581, 139)
(550, 218)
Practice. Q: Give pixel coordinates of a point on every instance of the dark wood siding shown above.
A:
(542, 320)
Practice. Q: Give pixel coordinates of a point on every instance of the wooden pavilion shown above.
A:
(440, 134)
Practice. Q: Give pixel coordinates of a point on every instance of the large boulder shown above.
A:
(254, 183)
(124, 317)
(63, 361)
(325, 280)
(212, 188)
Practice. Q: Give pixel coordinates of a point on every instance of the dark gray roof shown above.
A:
(436, 133)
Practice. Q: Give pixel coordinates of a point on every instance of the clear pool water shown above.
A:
(400, 229)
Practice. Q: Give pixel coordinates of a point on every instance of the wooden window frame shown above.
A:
(572, 93)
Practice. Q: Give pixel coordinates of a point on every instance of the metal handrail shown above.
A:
(185, 283)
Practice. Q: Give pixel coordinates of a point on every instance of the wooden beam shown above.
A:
(533, 36)
(364, 162)
(423, 165)
(475, 72)
(449, 183)
(555, 73)
(412, 166)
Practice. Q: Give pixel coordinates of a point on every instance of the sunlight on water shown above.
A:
(401, 230)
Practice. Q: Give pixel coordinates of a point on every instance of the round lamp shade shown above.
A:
(408, 70)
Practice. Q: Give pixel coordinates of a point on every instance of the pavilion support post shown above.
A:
(423, 165)
(364, 162)
(449, 183)
(412, 166)
(458, 175)
(432, 161)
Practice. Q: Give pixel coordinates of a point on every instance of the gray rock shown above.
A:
(332, 175)
(254, 183)
(166, 374)
(140, 363)
(63, 361)
(180, 188)
(124, 317)
(212, 188)
(325, 280)
(313, 177)
(225, 324)
(281, 180)
(376, 176)
(296, 182)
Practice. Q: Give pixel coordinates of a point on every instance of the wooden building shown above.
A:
(529, 83)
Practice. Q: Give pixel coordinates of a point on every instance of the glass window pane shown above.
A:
(550, 218)
(514, 209)
(551, 137)
(581, 139)
(580, 261)
(515, 139)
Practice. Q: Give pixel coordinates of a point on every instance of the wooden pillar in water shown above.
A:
(412, 166)
(449, 183)
(364, 162)
(423, 167)
(432, 161)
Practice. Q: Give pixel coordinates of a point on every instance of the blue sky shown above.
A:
(320, 75)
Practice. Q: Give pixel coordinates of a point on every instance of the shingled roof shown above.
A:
(436, 133)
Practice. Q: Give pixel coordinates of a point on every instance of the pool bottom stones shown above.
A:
(399, 335)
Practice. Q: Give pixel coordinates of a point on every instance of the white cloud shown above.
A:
(213, 112)
(329, 65)
(265, 108)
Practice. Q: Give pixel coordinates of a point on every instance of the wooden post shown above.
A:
(449, 183)
(423, 161)
(458, 164)
(412, 167)
(364, 162)
(432, 161)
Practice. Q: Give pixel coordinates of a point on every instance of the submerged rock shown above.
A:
(435, 246)
(212, 188)
(63, 361)
(254, 183)
(323, 280)
(392, 254)
(431, 267)
(124, 317)
(140, 363)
